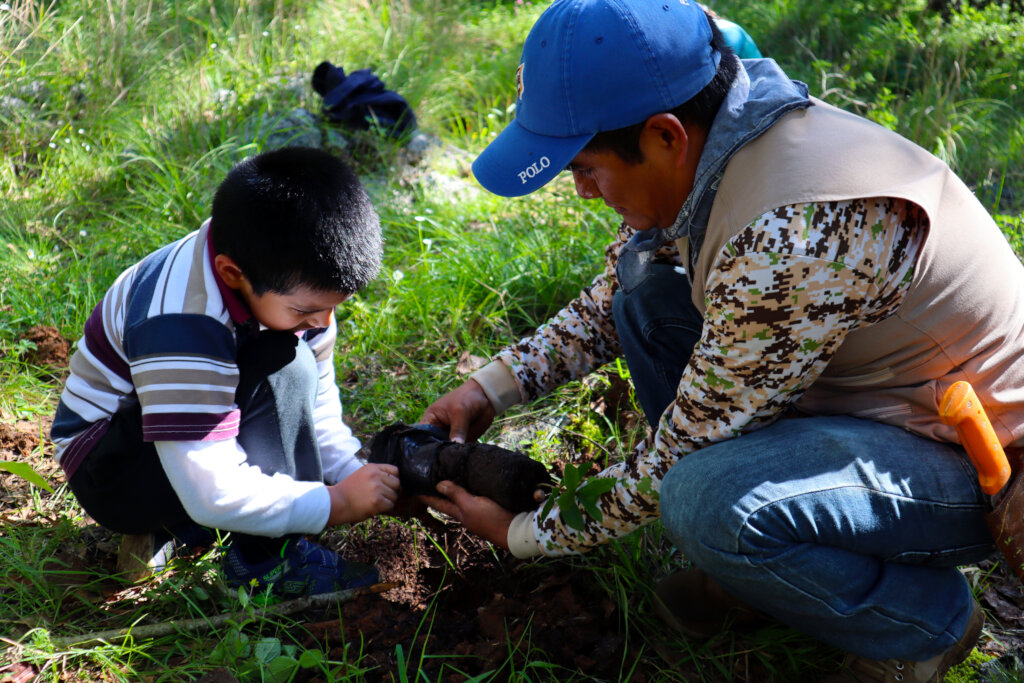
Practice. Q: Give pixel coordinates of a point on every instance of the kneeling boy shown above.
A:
(202, 393)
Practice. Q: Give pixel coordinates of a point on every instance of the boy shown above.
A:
(202, 393)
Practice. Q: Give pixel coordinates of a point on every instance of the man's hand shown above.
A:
(466, 411)
(480, 515)
(368, 491)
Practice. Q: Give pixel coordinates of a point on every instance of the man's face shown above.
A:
(300, 309)
(644, 194)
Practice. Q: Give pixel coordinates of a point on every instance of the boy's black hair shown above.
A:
(700, 109)
(297, 216)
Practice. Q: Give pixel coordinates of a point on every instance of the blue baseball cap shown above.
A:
(589, 66)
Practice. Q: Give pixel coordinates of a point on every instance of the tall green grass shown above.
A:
(119, 118)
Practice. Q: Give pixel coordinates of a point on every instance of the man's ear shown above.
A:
(228, 271)
(667, 134)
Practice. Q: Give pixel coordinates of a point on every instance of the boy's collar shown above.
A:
(237, 309)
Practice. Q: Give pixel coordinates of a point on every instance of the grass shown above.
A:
(117, 120)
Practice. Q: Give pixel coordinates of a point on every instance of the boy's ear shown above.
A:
(228, 271)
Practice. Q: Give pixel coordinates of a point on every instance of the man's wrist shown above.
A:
(499, 385)
(521, 541)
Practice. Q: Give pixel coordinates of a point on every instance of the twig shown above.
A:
(207, 623)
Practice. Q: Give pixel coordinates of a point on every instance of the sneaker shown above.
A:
(303, 568)
(696, 605)
(862, 670)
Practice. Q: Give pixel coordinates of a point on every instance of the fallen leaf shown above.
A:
(468, 363)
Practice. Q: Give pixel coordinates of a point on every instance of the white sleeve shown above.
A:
(218, 489)
(338, 446)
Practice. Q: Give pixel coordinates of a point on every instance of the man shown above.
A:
(793, 289)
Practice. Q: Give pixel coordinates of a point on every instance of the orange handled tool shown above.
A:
(961, 408)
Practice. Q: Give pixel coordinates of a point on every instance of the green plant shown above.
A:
(25, 471)
(575, 493)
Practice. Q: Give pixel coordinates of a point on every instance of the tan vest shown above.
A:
(963, 317)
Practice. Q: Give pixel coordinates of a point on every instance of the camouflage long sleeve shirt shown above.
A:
(780, 299)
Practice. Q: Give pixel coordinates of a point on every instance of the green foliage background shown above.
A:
(118, 119)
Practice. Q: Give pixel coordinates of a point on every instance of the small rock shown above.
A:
(11, 107)
(1006, 669)
(418, 146)
(36, 91)
(334, 141)
(296, 129)
(78, 93)
(225, 98)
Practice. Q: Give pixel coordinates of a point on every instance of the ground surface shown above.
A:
(458, 609)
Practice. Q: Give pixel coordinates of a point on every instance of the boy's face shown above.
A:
(299, 309)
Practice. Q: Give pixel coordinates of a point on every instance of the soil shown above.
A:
(50, 348)
(457, 608)
(462, 599)
(24, 440)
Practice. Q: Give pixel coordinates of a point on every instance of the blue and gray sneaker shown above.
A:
(303, 568)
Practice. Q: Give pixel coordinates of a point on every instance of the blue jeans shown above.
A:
(846, 529)
(657, 327)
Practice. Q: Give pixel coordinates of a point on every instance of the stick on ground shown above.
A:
(167, 627)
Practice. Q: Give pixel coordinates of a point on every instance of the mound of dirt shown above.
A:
(459, 598)
(25, 441)
(18, 440)
(51, 349)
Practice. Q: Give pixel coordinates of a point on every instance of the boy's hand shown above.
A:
(368, 491)
(466, 411)
(478, 514)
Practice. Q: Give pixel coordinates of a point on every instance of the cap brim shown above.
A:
(519, 162)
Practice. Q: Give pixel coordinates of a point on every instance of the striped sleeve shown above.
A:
(182, 359)
(184, 372)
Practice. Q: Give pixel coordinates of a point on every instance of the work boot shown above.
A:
(140, 556)
(862, 670)
(697, 606)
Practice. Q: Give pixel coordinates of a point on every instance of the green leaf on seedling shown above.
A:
(591, 491)
(646, 486)
(571, 514)
(548, 504)
(575, 493)
(403, 675)
(571, 477)
(25, 471)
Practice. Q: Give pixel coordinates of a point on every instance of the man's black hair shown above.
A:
(297, 216)
(700, 109)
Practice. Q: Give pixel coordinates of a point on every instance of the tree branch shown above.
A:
(208, 623)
